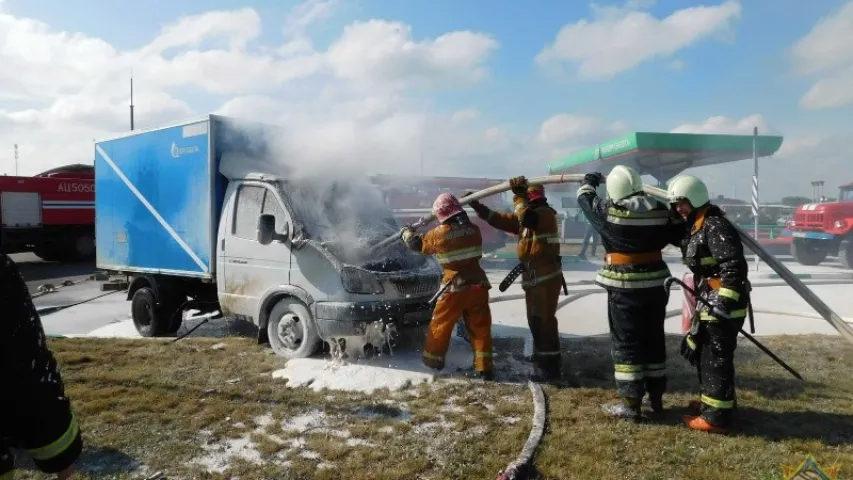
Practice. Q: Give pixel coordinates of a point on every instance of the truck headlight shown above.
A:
(839, 224)
(356, 280)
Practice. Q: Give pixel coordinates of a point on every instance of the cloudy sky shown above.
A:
(474, 87)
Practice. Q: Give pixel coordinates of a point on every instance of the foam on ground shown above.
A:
(401, 370)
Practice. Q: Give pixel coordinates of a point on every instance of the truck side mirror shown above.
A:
(266, 230)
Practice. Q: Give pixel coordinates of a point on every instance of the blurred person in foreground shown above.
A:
(634, 229)
(712, 250)
(36, 414)
(535, 223)
(458, 246)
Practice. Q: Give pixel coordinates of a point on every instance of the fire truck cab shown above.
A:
(824, 229)
(51, 214)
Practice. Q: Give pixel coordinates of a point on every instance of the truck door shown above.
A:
(250, 268)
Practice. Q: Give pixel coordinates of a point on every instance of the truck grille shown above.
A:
(415, 286)
(809, 219)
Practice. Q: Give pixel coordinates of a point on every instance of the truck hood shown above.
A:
(839, 208)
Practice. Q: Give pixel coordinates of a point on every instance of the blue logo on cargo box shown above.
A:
(178, 151)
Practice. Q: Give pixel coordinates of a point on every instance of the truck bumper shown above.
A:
(806, 234)
(339, 319)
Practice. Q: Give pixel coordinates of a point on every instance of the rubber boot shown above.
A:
(628, 408)
(486, 376)
(699, 423)
(655, 402)
(545, 374)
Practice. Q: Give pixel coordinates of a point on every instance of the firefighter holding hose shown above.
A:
(713, 251)
(458, 246)
(634, 228)
(535, 222)
(36, 413)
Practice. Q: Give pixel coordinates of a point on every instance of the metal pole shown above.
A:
(755, 187)
(16, 159)
(131, 101)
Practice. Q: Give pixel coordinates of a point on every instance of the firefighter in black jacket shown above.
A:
(634, 228)
(713, 251)
(36, 414)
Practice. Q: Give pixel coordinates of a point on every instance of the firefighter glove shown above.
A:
(475, 204)
(407, 233)
(690, 349)
(518, 185)
(593, 179)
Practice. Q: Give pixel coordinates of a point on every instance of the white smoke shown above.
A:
(327, 184)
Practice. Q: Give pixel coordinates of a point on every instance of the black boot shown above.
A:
(486, 376)
(628, 408)
(549, 372)
(655, 402)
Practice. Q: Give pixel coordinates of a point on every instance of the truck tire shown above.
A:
(84, 247)
(845, 254)
(149, 320)
(807, 254)
(291, 330)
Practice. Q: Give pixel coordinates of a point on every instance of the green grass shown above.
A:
(148, 406)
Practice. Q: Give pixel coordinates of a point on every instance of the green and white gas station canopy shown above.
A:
(665, 155)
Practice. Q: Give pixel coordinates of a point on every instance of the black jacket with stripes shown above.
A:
(637, 224)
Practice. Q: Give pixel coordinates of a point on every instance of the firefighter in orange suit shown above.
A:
(458, 246)
(535, 222)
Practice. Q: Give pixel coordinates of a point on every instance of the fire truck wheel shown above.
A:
(845, 254)
(84, 247)
(806, 253)
(149, 320)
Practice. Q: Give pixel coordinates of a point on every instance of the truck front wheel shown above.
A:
(149, 320)
(291, 330)
(845, 254)
(807, 253)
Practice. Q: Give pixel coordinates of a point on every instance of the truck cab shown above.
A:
(824, 229)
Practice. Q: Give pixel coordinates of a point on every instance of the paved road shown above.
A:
(37, 272)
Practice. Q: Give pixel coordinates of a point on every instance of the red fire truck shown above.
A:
(51, 214)
(411, 198)
(824, 229)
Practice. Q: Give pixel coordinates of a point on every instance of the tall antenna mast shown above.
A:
(131, 99)
(16, 159)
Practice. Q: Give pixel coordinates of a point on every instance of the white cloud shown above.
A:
(826, 52)
(621, 38)
(801, 159)
(465, 115)
(722, 125)
(353, 100)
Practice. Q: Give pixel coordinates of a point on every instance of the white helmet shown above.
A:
(689, 188)
(623, 182)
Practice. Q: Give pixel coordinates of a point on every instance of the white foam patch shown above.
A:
(401, 370)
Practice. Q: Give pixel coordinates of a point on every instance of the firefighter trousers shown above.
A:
(717, 341)
(638, 342)
(541, 301)
(473, 305)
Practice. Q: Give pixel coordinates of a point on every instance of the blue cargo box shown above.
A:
(158, 194)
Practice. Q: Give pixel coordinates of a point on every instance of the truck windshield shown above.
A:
(339, 212)
(845, 195)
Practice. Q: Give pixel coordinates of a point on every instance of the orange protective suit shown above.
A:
(535, 222)
(458, 247)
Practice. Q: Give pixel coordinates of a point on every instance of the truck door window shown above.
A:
(247, 211)
(272, 207)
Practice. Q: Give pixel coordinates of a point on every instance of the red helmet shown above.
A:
(535, 192)
(446, 206)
